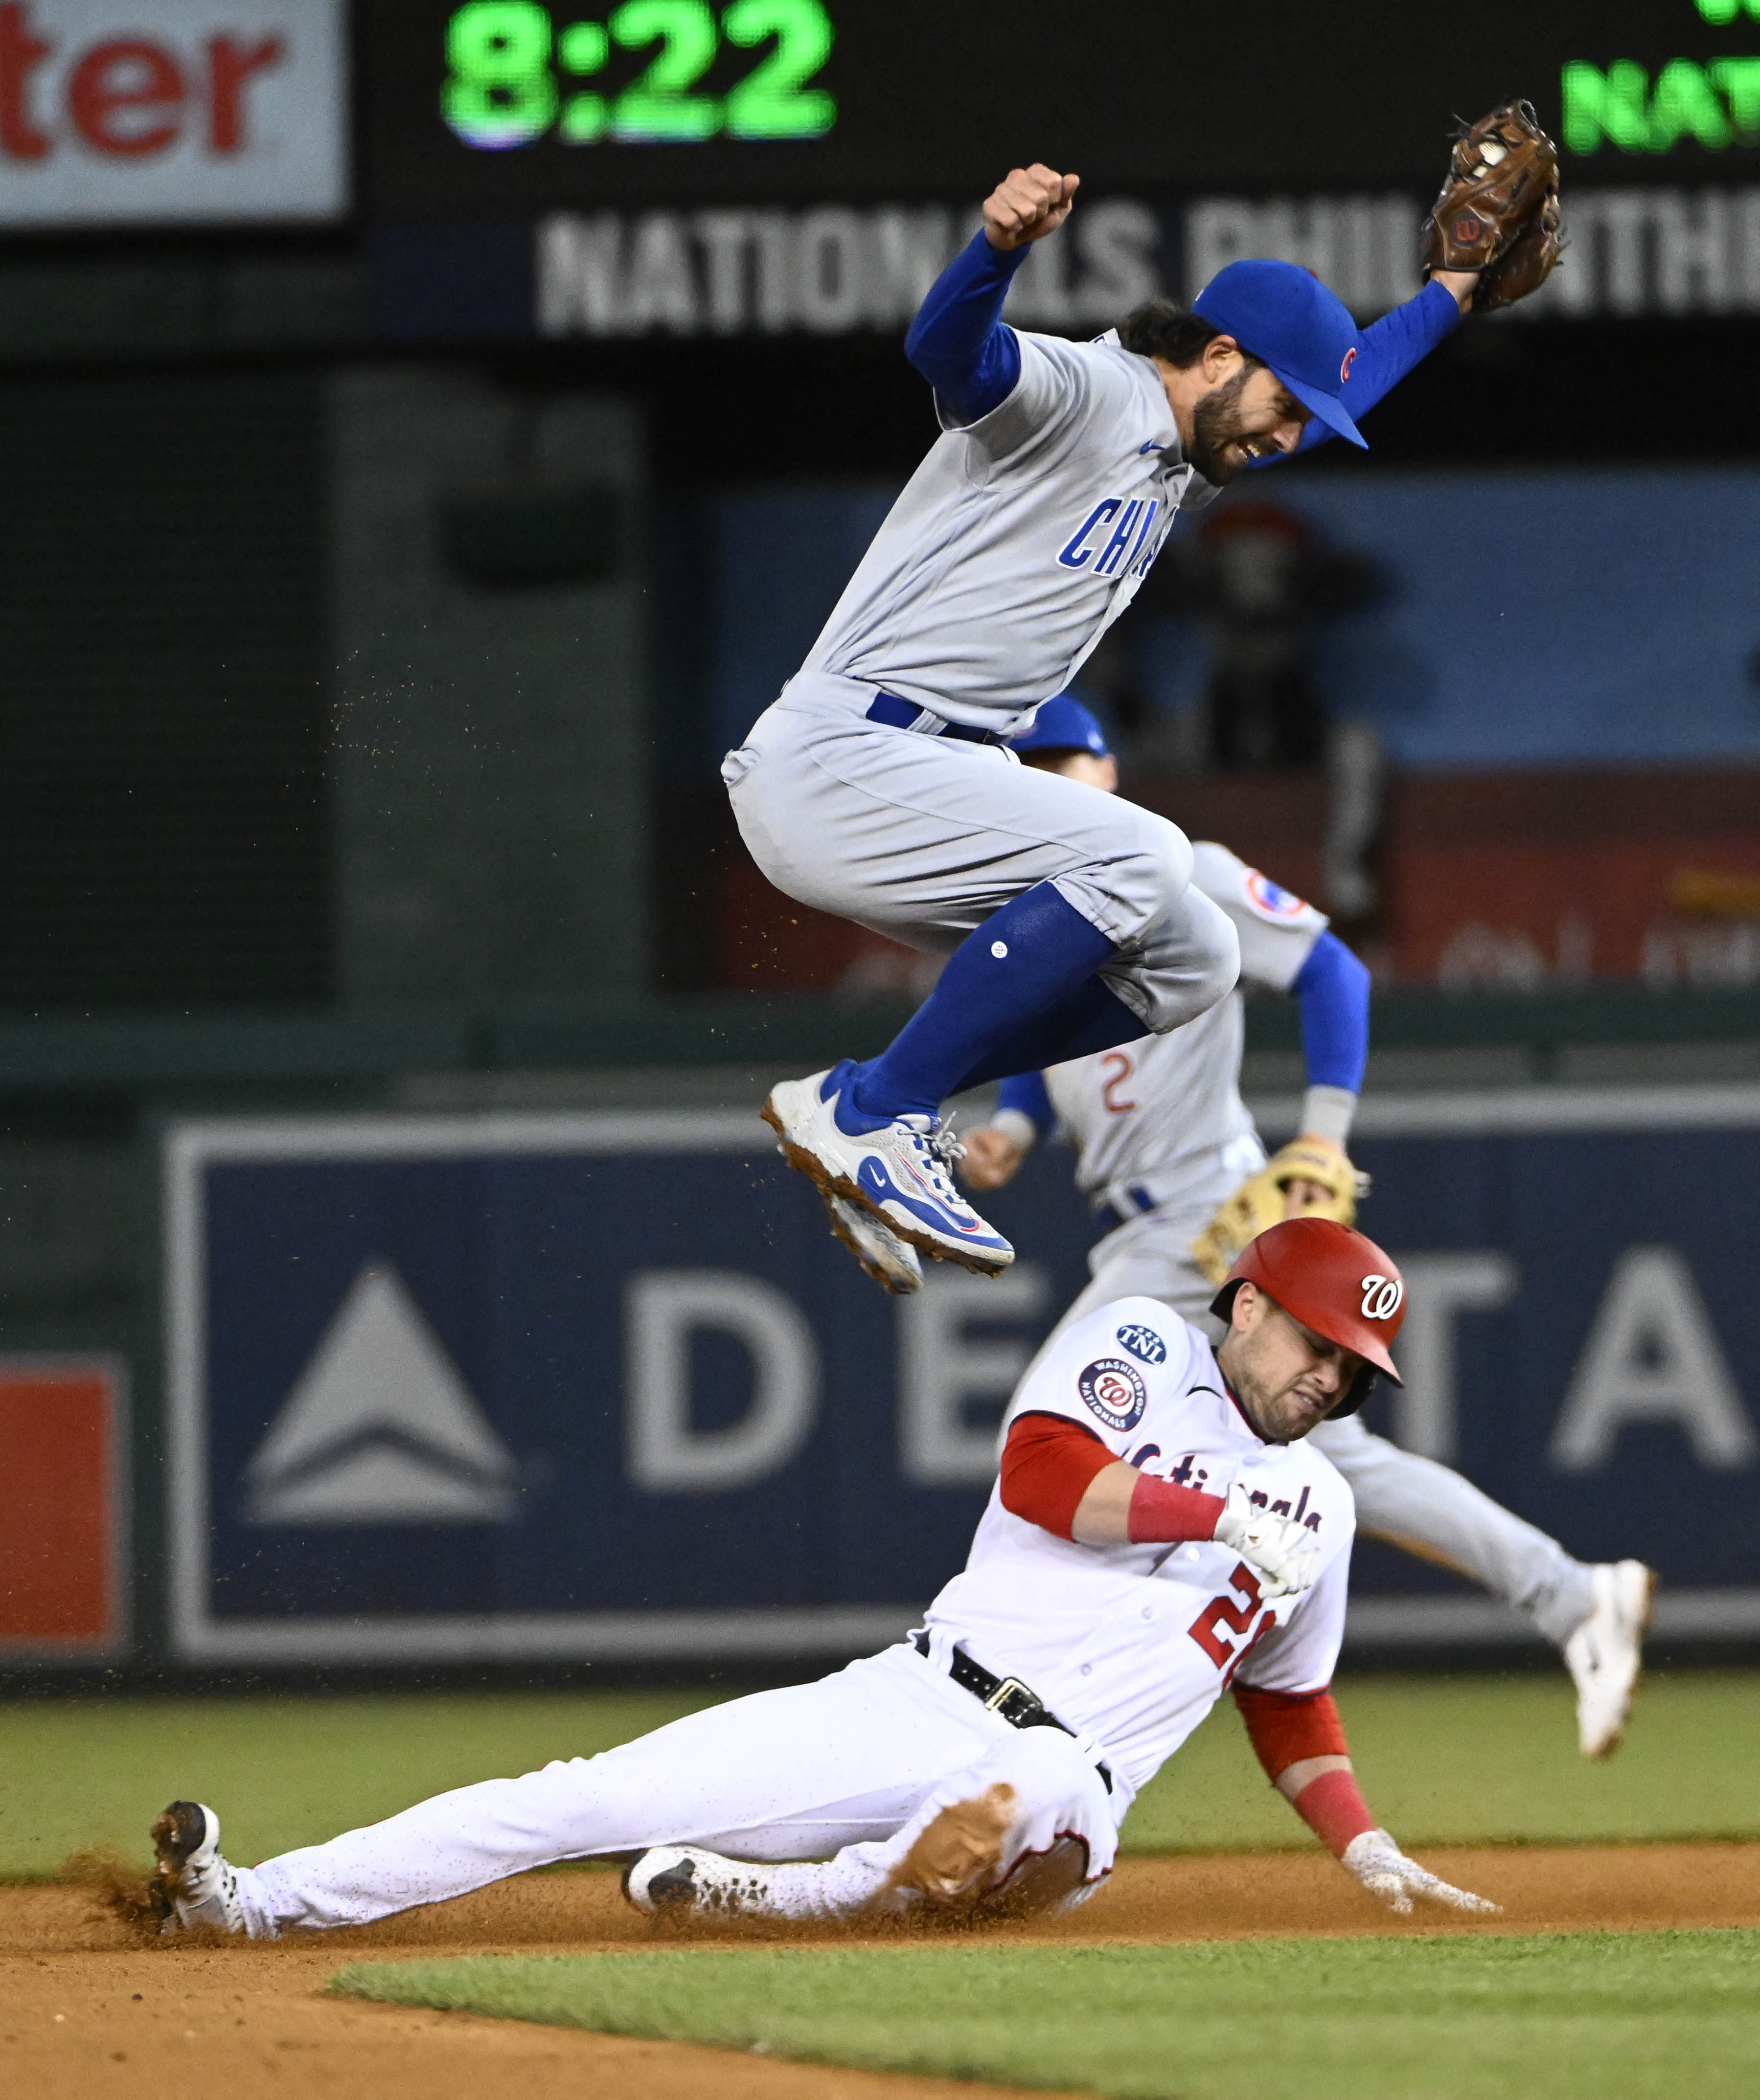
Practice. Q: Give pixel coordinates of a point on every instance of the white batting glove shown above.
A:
(1282, 1554)
(1392, 1878)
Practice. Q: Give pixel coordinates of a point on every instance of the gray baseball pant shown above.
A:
(923, 838)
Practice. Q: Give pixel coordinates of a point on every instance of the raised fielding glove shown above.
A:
(1385, 1871)
(1263, 1201)
(1284, 1555)
(1497, 211)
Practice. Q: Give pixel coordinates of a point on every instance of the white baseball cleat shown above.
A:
(195, 1884)
(682, 1881)
(892, 1262)
(1605, 1655)
(898, 1173)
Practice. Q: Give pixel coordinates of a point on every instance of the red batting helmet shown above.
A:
(1336, 1282)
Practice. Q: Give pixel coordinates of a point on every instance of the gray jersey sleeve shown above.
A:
(1277, 930)
(1058, 389)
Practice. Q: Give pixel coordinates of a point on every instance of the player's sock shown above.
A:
(1094, 1017)
(988, 1010)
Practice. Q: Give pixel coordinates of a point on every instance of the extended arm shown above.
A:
(1300, 1741)
(959, 340)
(1332, 988)
(1023, 1114)
(1390, 347)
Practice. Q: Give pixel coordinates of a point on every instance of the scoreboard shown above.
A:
(518, 106)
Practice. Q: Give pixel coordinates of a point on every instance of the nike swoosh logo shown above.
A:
(872, 1176)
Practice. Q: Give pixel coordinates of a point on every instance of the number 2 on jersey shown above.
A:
(1223, 1622)
(1117, 1067)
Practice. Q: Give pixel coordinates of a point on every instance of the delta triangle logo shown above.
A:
(380, 1428)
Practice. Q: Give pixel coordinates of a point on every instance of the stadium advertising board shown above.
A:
(477, 106)
(840, 269)
(177, 112)
(679, 169)
(598, 1386)
(64, 1544)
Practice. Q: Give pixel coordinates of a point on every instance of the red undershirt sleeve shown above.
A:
(1285, 1728)
(1049, 1463)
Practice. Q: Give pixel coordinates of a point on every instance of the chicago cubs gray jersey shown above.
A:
(1132, 1645)
(1165, 1113)
(1019, 540)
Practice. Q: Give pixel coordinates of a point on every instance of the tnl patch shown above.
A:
(1114, 1390)
(1144, 1342)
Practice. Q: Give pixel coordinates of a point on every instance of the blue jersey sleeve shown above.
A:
(1026, 1094)
(959, 342)
(1332, 988)
(1388, 350)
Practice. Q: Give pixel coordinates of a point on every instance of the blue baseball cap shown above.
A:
(1062, 725)
(1286, 317)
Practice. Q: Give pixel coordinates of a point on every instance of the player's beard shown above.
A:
(1216, 422)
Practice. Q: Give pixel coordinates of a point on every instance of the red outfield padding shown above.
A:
(61, 1550)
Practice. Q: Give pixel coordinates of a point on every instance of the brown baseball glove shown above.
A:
(1498, 213)
(1263, 1201)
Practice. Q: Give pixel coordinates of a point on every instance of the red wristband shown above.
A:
(1161, 1514)
(1334, 1811)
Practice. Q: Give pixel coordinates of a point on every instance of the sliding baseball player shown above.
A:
(1166, 1150)
(1164, 1529)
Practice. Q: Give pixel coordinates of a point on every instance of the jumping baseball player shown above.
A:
(1162, 1529)
(1166, 1150)
(876, 786)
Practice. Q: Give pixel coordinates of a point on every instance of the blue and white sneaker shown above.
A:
(899, 1174)
(892, 1262)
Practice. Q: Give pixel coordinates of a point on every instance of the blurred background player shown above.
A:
(1260, 585)
(1163, 1145)
(872, 787)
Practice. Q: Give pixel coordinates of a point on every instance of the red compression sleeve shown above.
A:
(1161, 1513)
(1049, 1463)
(1284, 1728)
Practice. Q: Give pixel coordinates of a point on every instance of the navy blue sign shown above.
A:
(606, 1385)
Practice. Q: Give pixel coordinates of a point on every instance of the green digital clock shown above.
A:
(670, 72)
(497, 110)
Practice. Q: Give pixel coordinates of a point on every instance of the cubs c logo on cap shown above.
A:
(1344, 369)
(1381, 1296)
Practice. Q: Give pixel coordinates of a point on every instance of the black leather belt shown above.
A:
(1006, 1697)
(895, 713)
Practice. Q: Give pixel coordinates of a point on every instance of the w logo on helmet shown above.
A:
(1380, 1296)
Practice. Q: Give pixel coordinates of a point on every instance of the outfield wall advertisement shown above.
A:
(602, 1385)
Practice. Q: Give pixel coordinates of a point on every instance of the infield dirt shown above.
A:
(87, 2007)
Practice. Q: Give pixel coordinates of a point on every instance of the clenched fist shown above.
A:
(1283, 1554)
(1027, 205)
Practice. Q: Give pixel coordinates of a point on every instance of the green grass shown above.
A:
(1598, 2017)
(1467, 1759)
(281, 1772)
(1476, 1760)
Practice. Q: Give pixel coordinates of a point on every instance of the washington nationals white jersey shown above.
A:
(1132, 1645)
(1018, 539)
(1164, 1113)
